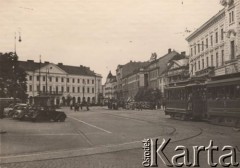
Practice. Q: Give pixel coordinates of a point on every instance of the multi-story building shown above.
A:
(162, 67)
(110, 87)
(148, 76)
(133, 82)
(177, 71)
(122, 72)
(69, 84)
(215, 46)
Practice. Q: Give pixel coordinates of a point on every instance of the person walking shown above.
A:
(87, 106)
(164, 103)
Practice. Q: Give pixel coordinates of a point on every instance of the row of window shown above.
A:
(62, 79)
(217, 57)
(198, 66)
(57, 89)
(197, 48)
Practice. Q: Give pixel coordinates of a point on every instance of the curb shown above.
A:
(69, 153)
(3, 131)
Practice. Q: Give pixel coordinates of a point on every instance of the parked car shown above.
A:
(7, 110)
(19, 111)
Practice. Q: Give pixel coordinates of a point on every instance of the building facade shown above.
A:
(177, 71)
(123, 72)
(150, 75)
(69, 84)
(133, 82)
(110, 87)
(163, 65)
(215, 46)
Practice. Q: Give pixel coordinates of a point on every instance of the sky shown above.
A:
(100, 34)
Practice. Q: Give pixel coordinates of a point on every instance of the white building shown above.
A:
(68, 83)
(215, 46)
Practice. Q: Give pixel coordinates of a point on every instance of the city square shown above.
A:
(103, 138)
(118, 84)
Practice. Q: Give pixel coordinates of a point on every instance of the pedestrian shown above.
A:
(75, 107)
(164, 103)
(189, 102)
(87, 106)
(81, 105)
(140, 106)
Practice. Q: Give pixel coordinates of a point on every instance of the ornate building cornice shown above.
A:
(206, 25)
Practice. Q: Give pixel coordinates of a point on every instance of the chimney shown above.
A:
(169, 50)
(46, 62)
(61, 64)
(183, 53)
(30, 61)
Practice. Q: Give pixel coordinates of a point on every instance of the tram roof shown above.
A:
(224, 82)
(185, 86)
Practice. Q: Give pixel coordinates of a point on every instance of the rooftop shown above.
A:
(205, 24)
(30, 65)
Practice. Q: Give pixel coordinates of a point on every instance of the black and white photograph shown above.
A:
(119, 83)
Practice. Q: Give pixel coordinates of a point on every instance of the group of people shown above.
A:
(76, 106)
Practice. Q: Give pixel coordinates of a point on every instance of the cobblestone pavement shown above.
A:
(137, 123)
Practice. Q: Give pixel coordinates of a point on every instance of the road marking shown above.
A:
(90, 125)
(85, 137)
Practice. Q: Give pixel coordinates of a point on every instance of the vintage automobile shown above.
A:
(19, 111)
(5, 102)
(12, 111)
(45, 110)
(7, 110)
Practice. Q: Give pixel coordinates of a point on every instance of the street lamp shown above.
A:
(15, 41)
(47, 72)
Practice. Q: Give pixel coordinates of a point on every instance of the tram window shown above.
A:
(231, 92)
(237, 91)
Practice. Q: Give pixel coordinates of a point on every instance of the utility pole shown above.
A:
(46, 81)
(39, 74)
(14, 59)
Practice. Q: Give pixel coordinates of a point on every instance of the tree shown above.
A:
(148, 94)
(12, 77)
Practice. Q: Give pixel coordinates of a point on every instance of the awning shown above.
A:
(224, 82)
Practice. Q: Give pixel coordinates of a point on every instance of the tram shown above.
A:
(223, 100)
(217, 100)
(185, 102)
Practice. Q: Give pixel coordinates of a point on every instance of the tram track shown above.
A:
(134, 147)
(200, 130)
(80, 132)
